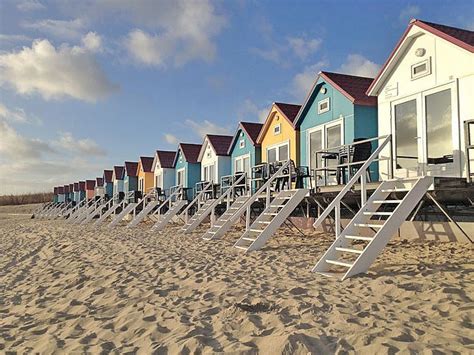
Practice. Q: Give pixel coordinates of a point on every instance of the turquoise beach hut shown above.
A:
(244, 150)
(117, 178)
(187, 167)
(107, 178)
(130, 177)
(336, 111)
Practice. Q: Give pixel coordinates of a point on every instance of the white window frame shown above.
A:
(422, 74)
(278, 145)
(241, 158)
(242, 143)
(321, 102)
(277, 129)
(208, 167)
(178, 171)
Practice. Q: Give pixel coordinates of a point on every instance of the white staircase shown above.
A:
(227, 219)
(143, 213)
(127, 209)
(64, 210)
(274, 215)
(114, 206)
(353, 252)
(97, 210)
(204, 210)
(242, 204)
(164, 219)
(80, 207)
(86, 212)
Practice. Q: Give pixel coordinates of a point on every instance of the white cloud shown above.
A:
(206, 127)
(302, 47)
(357, 64)
(409, 12)
(250, 112)
(92, 41)
(303, 81)
(29, 5)
(86, 146)
(56, 72)
(17, 115)
(5, 38)
(171, 139)
(15, 146)
(183, 31)
(67, 29)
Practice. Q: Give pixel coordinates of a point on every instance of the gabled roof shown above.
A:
(99, 181)
(457, 36)
(220, 144)
(82, 186)
(288, 111)
(131, 168)
(108, 176)
(118, 172)
(90, 184)
(251, 129)
(351, 86)
(189, 151)
(165, 157)
(147, 163)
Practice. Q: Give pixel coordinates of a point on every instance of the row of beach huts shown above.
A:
(359, 158)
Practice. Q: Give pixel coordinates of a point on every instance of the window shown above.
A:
(439, 127)
(242, 143)
(242, 165)
(209, 173)
(277, 129)
(278, 153)
(315, 144)
(323, 106)
(406, 135)
(421, 69)
(180, 177)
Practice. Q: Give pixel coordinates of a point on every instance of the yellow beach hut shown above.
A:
(279, 139)
(145, 174)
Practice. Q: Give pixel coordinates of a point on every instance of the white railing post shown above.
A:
(363, 189)
(337, 227)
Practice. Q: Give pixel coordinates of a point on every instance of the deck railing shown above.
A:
(360, 174)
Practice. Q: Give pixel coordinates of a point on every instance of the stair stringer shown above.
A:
(143, 213)
(199, 216)
(96, 210)
(276, 221)
(107, 213)
(86, 212)
(127, 209)
(166, 217)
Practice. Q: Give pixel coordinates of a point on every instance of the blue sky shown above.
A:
(85, 85)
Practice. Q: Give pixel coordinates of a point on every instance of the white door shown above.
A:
(426, 132)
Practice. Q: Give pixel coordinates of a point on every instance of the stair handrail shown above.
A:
(177, 193)
(360, 174)
(185, 212)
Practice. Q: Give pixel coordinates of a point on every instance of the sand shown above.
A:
(69, 289)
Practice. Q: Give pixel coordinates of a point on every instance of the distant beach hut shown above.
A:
(145, 174)
(71, 192)
(163, 169)
(107, 177)
(90, 189)
(77, 195)
(279, 138)
(55, 195)
(187, 167)
(117, 178)
(336, 111)
(99, 187)
(66, 193)
(130, 178)
(61, 196)
(215, 158)
(82, 190)
(244, 150)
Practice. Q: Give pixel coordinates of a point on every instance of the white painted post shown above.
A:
(363, 189)
(337, 227)
(247, 219)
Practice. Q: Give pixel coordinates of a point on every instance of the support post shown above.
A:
(337, 225)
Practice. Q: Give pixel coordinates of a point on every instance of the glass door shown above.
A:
(315, 144)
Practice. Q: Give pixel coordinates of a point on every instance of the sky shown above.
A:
(85, 85)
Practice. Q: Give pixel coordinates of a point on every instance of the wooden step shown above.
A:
(358, 237)
(368, 225)
(339, 263)
(349, 250)
(270, 213)
(337, 275)
(387, 201)
(395, 190)
(249, 239)
(239, 247)
(378, 213)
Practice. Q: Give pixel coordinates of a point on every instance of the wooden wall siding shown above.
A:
(255, 153)
(287, 134)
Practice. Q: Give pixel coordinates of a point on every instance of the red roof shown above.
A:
(99, 181)
(289, 110)
(76, 186)
(71, 187)
(147, 163)
(90, 184)
(460, 37)
(108, 175)
(252, 130)
(351, 86)
(166, 158)
(82, 186)
(66, 189)
(60, 190)
(221, 144)
(190, 151)
(131, 168)
(118, 172)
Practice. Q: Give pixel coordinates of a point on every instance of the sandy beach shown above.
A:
(67, 288)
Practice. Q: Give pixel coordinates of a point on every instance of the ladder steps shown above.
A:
(263, 222)
(378, 213)
(358, 237)
(249, 239)
(256, 230)
(338, 263)
(395, 190)
(270, 213)
(239, 247)
(368, 225)
(387, 201)
(349, 250)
